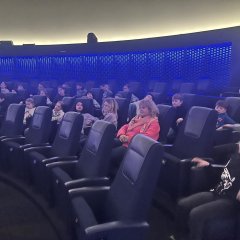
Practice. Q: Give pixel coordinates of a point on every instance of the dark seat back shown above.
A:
(166, 117)
(95, 158)
(39, 100)
(13, 123)
(234, 108)
(123, 105)
(67, 138)
(97, 94)
(195, 137)
(68, 103)
(40, 127)
(131, 192)
(11, 97)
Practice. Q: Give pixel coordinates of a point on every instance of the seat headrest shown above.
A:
(135, 156)
(196, 119)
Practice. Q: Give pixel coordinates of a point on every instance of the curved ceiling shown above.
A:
(69, 21)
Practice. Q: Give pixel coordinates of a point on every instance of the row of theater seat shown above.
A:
(40, 163)
(79, 187)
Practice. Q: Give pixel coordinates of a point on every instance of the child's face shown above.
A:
(61, 91)
(29, 105)
(220, 109)
(106, 107)
(58, 107)
(176, 102)
(79, 107)
(90, 96)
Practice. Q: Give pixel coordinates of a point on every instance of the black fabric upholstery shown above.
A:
(13, 123)
(65, 144)
(127, 201)
(194, 128)
(97, 94)
(123, 106)
(166, 117)
(39, 100)
(40, 127)
(67, 137)
(195, 138)
(68, 103)
(94, 162)
(192, 142)
(37, 134)
(234, 108)
(131, 191)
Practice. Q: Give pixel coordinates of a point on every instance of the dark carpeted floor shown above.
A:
(24, 215)
(20, 219)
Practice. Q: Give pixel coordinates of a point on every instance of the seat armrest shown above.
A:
(89, 192)
(62, 164)
(58, 159)
(19, 139)
(40, 149)
(235, 136)
(32, 145)
(87, 182)
(167, 147)
(118, 230)
(169, 157)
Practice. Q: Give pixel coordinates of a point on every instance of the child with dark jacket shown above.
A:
(223, 118)
(177, 103)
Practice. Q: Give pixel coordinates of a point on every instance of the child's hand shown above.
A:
(179, 120)
(123, 138)
(200, 162)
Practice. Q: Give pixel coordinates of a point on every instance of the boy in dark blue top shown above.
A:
(223, 118)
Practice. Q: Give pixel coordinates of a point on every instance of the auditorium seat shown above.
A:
(39, 100)
(233, 108)
(90, 169)
(66, 143)
(12, 125)
(119, 212)
(195, 138)
(37, 135)
(68, 103)
(166, 117)
(123, 106)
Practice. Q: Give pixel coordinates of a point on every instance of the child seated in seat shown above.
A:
(88, 119)
(177, 103)
(57, 112)
(223, 118)
(29, 110)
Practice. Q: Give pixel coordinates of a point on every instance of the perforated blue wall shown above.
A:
(188, 64)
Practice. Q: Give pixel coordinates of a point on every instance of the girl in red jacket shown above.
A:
(146, 122)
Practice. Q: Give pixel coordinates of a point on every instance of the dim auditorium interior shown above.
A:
(76, 77)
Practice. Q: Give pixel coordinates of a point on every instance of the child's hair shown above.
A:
(30, 100)
(177, 96)
(222, 103)
(113, 103)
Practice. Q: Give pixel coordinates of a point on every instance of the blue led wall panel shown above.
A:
(188, 64)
